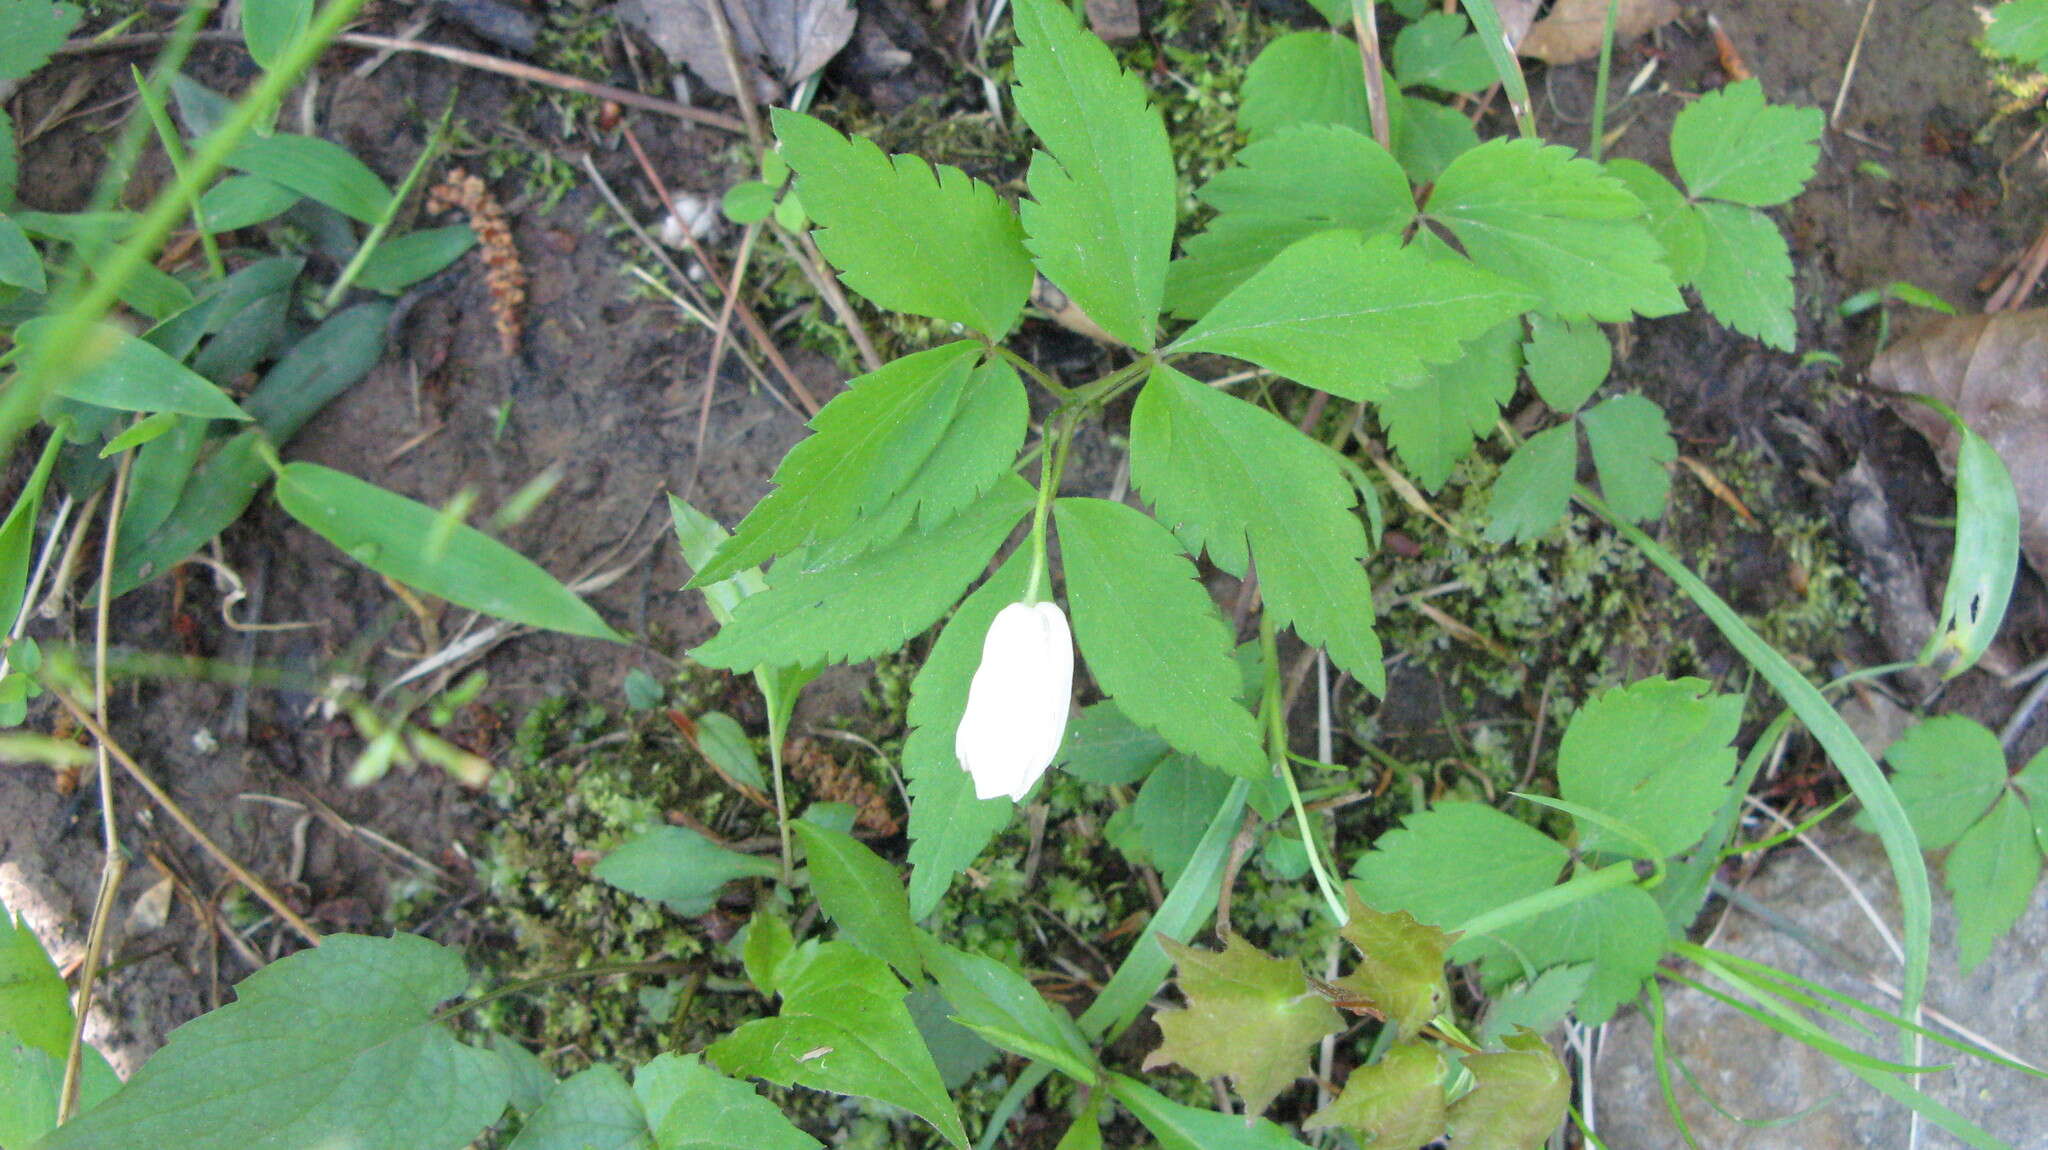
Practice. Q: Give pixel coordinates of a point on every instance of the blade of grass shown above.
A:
(368, 247)
(1492, 37)
(1660, 1052)
(167, 136)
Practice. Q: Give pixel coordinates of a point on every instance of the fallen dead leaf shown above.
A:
(1114, 20)
(1993, 370)
(1572, 31)
(1515, 18)
(784, 41)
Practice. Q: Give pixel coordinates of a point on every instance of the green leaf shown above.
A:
(871, 604)
(593, 1109)
(1731, 145)
(2032, 782)
(722, 740)
(1559, 225)
(1428, 136)
(1181, 1127)
(318, 368)
(1101, 214)
(30, 1080)
(219, 490)
(690, 1106)
(1986, 558)
(398, 264)
(1992, 872)
(862, 895)
(393, 536)
(1621, 932)
(679, 868)
(2019, 29)
(867, 445)
(1434, 419)
(20, 264)
(30, 32)
(143, 431)
(1633, 450)
(750, 201)
(1152, 636)
(10, 160)
(238, 202)
(1656, 756)
(17, 535)
(1002, 1006)
(843, 1028)
(1400, 964)
(700, 537)
(910, 238)
(1249, 1016)
(1670, 219)
(1746, 277)
(1535, 486)
(317, 169)
(1946, 772)
(1439, 51)
(269, 27)
(118, 370)
(949, 826)
(768, 943)
(1520, 1098)
(1163, 827)
(1396, 1103)
(35, 1004)
(1104, 747)
(529, 1080)
(1456, 861)
(1293, 183)
(1567, 362)
(1351, 315)
(334, 1046)
(1243, 484)
(1537, 1005)
(1305, 78)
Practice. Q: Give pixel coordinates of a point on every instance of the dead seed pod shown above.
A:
(504, 274)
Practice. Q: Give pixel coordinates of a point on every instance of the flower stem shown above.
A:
(1276, 736)
(1053, 457)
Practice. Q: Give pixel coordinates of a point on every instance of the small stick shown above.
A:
(812, 263)
(742, 75)
(1849, 69)
(1365, 21)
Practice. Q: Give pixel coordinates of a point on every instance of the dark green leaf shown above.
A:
(17, 535)
(1567, 362)
(1396, 1103)
(1105, 748)
(1633, 451)
(909, 237)
(721, 739)
(317, 169)
(1946, 772)
(318, 368)
(690, 1106)
(118, 370)
(529, 1080)
(398, 264)
(1434, 419)
(217, 493)
(1535, 487)
(1163, 828)
(1731, 145)
(1439, 51)
(862, 895)
(679, 868)
(1351, 315)
(1745, 278)
(1305, 78)
(1428, 136)
(1181, 1127)
(244, 201)
(1101, 214)
(1655, 756)
(590, 1110)
(1992, 873)
(1672, 220)
(1002, 1006)
(1152, 636)
(1455, 861)
(1537, 1005)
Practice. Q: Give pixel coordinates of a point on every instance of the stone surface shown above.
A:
(1759, 1075)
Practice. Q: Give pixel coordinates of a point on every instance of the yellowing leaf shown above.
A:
(1520, 1099)
(1249, 1016)
(1396, 1103)
(1400, 967)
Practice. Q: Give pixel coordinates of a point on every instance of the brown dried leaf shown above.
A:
(1572, 31)
(1993, 369)
(782, 41)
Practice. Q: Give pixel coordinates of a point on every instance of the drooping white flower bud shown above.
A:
(1017, 705)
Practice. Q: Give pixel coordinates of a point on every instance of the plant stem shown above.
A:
(1053, 457)
(1574, 889)
(1059, 391)
(1276, 747)
(779, 709)
(1365, 24)
(390, 213)
(1109, 386)
(1594, 143)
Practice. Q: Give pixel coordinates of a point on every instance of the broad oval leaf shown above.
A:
(117, 370)
(1305, 78)
(862, 895)
(269, 27)
(244, 201)
(679, 868)
(399, 263)
(592, 1109)
(395, 536)
(317, 169)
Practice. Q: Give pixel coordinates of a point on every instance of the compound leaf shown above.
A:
(1731, 145)
(1352, 315)
(1396, 1103)
(844, 1029)
(862, 895)
(1669, 217)
(912, 238)
(334, 1046)
(1992, 873)
(690, 1106)
(1567, 362)
(1632, 449)
(1946, 771)
(1655, 756)
(1152, 636)
(1520, 1098)
(1101, 214)
(1535, 486)
(1249, 1016)
(1559, 225)
(679, 868)
(1434, 419)
(1305, 78)
(1228, 474)
(1400, 967)
(1745, 278)
(866, 445)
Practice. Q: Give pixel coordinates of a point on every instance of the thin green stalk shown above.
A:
(1276, 743)
(174, 151)
(23, 399)
(1109, 386)
(1058, 432)
(779, 709)
(1595, 145)
(389, 216)
(1059, 391)
(1577, 888)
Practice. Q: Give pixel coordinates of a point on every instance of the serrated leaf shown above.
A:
(592, 1109)
(317, 169)
(679, 868)
(1731, 145)
(871, 604)
(1656, 756)
(1633, 451)
(949, 826)
(1745, 278)
(1151, 635)
(843, 1028)
(1536, 1005)
(909, 237)
(1439, 51)
(1295, 182)
(1534, 488)
(1433, 420)
(1621, 932)
(1164, 825)
(861, 895)
(1396, 1103)
(2032, 782)
(1104, 747)
(1992, 873)
(1002, 1006)
(2019, 29)
(866, 445)
(1946, 772)
(1179, 1127)
(1669, 217)
(30, 32)
(1560, 226)
(690, 1106)
(35, 1004)
(1520, 1098)
(1455, 861)
(1304, 78)
(1101, 214)
(1243, 484)
(1352, 315)
(395, 536)
(117, 370)
(331, 1046)
(1567, 362)
(1400, 968)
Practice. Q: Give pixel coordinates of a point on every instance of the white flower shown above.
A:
(1017, 706)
